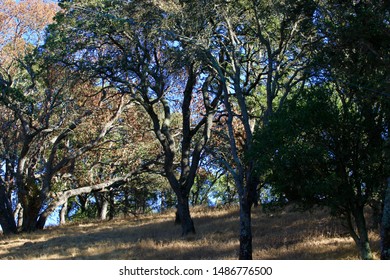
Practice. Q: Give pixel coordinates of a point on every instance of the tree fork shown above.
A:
(363, 241)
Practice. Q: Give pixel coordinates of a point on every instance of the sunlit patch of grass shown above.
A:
(281, 235)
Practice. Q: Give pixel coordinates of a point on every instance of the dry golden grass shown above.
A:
(282, 235)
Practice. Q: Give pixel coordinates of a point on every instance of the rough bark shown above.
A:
(186, 221)
(385, 225)
(30, 217)
(245, 252)
(31, 203)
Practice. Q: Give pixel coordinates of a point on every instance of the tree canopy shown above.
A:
(112, 107)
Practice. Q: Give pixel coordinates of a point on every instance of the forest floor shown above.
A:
(279, 235)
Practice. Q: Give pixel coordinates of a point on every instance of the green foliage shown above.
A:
(224, 192)
(355, 51)
(324, 145)
(318, 150)
(84, 214)
(142, 194)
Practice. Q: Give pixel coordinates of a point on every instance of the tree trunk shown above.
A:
(104, 209)
(245, 230)
(126, 208)
(363, 242)
(183, 210)
(63, 197)
(8, 225)
(19, 214)
(162, 202)
(63, 213)
(31, 208)
(40, 224)
(111, 213)
(7, 221)
(30, 219)
(385, 225)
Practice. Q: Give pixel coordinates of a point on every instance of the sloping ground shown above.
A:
(282, 235)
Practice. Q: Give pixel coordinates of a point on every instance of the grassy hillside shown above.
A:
(281, 235)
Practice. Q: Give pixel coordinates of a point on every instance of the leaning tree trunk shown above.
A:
(385, 225)
(364, 246)
(62, 197)
(361, 238)
(183, 210)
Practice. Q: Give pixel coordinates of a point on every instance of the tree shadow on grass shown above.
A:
(154, 240)
(277, 236)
